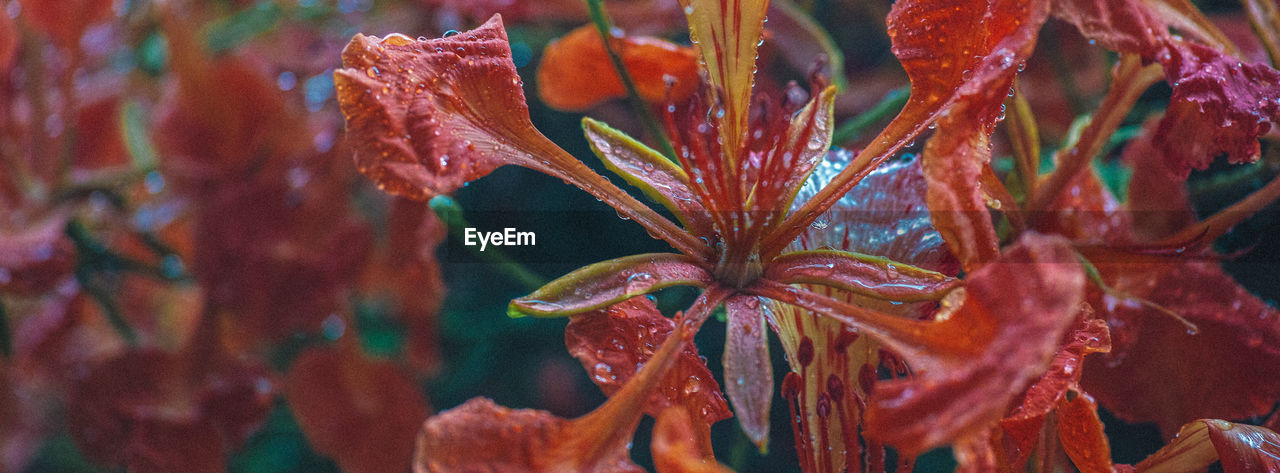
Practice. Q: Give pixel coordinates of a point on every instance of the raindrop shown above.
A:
(450, 33)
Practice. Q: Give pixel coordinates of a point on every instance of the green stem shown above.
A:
(451, 213)
(647, 117)
(891, 103)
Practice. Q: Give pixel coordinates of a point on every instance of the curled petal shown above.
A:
(1219, 105)
(866, 275)
(1080, 431)
(603, 284)
(647, 170)
(614, 343)
(426, 117)
(748, 373)
(1241, 449)
(674, 446)
(482, 436)
(575, 73)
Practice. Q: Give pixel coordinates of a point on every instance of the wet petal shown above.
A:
(1022, 427)
(1219, 105)
(647, 170)
(482, 436)
(861, 274)
(1080, 431)
(987, 343)
(727, 33)
(603, 284)
(576, 73)
(614, 343)
(34, 255)
(748, 373)
(952, 51)
(1241, 449)
(675, 446)
(426, 117)
(335, 392)
(1160, 373)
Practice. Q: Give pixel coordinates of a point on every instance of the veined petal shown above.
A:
(862, 274)
(727, 33)
(613, 344)
(576, 73)
(426, 117)
(748, 373)
(951, 50)
(606, 283)
(808, 138)
(647, 170)
(1080, 431)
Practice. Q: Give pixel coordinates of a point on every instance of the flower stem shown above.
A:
(642, 110)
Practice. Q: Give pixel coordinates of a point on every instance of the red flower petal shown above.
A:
(1022, 426)
(748, 373)
(1219, 105)
(363, 413)
(8, 42)
(675, 446)
(951, 51)
(482, 436)
(1229, 369)
(871, 276)
(1080, 431)
(35, 255)
(614, 343)
(576, 72)
(1241, 449)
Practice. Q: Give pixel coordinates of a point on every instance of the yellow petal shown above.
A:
(727, 33)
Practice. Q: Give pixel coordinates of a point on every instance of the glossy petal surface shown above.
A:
(609, 282)
(748, 373)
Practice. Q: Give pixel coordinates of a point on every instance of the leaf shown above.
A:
(613, 343)
(1219, 105)
(748, 373)
(871, 276)
(1241, 449)
(575, 73)
(337, 392)
(675, 446)
(647, 170)
(606, 283)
